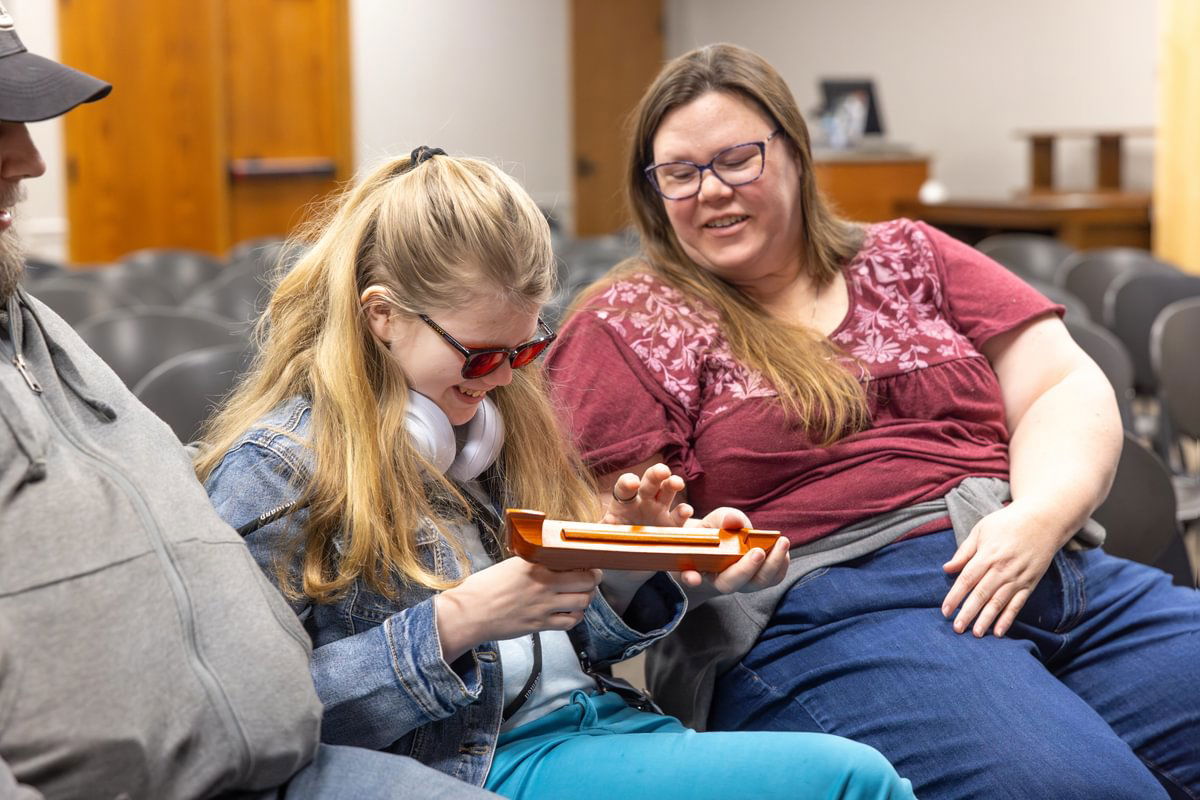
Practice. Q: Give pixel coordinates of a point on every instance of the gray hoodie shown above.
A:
(142, 652)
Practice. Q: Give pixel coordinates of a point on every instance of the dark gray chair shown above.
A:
(134, 341)
(1132, 303)
(39, 269)
(266, 256)
(126, 287)
(238, 295)
(177, 271)
(1088, 275)
(184, 389)
(1174, 341)
(1110, 355)
(1139, 515)
(1030, 255)
(588, 259)
(1076, 310)
(74, 302)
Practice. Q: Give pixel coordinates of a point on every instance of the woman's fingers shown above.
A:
(681, 514)
(1010, 613)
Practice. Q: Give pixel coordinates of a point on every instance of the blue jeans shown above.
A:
(354, 773)
(596, 748)
(1094, 693)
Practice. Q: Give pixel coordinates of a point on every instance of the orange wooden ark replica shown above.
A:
(560, 544)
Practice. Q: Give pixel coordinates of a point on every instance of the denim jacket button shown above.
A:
(486, 655)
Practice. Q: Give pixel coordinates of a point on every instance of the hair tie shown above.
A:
(422, 154)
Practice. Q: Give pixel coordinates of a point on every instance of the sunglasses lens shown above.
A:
(483, 363)
(527, 354)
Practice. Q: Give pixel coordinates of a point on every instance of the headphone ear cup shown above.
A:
(430, 431)
(484, 440)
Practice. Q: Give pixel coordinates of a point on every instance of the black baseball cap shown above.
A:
(34, 88)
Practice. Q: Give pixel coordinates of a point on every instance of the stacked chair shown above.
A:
(185, 389)
(173, 324)
(1173, 345)
(1089, 274)
(1031, 256)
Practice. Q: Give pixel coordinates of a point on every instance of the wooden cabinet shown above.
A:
(866, 186)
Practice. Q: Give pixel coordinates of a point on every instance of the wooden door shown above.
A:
(287, 105)
(616, 50)
(146, 165)
(226, 120)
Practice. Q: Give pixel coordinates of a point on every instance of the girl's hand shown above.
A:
(511, 599)
(999, 564)
(754, 571)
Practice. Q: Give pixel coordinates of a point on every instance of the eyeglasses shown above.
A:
(486, 360)
(733, 166)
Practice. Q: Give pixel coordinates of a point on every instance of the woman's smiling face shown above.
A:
(746, 233)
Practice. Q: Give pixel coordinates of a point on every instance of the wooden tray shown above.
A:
(562, 544)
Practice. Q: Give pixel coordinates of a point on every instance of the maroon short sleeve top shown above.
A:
(643, 369)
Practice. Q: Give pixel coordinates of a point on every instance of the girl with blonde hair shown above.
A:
(922, 428)
(395, 408)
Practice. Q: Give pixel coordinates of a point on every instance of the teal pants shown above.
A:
(598, 747)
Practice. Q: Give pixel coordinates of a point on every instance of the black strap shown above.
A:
(607, 682)
(527, 689)
(270, 516)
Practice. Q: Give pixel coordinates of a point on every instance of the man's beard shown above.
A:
(12, 263)
(12, 253)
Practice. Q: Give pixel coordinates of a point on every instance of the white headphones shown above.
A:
(431, 433)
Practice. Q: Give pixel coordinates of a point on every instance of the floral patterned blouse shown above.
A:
(643, 369)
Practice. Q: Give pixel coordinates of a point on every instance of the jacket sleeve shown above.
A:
(376, 685)
(607, 637)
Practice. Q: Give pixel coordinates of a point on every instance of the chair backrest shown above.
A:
(265, 256)
(134, 341)
(177, 271)
(184, 389)
(1087, 275)
(125, 287)
(588, 259)
(39, 269)
(1110, 355)
(1076, 310)
(1030, 255)
(1139, 513)
(73, 301)
(238, 295)
(1174, 341)
(1132, 303)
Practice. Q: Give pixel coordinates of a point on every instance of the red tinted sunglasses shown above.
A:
(485, 360)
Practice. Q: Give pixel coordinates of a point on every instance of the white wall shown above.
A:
(42, 219)
(956, 79)
(475, 77)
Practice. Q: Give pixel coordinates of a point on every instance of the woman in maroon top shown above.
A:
(923, 429)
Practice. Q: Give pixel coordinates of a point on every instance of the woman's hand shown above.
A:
(999, 564)
(647, 500)
(511, 599)
(754, 571)
(641, 501)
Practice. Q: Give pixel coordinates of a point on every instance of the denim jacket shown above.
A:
(377, 663)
